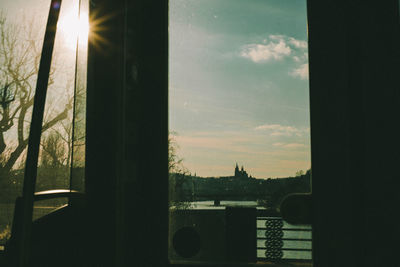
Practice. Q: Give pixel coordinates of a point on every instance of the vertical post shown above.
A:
(35, 134)
(241, 234)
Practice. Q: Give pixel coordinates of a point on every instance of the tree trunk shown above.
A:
(2, 145)
(14, 157)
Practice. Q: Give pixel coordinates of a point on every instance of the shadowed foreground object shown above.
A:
(60, 238)
(186, 242)
(297, 209)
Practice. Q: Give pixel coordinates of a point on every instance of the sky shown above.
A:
(238, 86)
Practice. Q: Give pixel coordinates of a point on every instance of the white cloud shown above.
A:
(301, 58)
(275, 47)
(301, 72)
(277, 37)
(281, 134)
(281, 130)
(296, 58)
(298, 43)
(262, 53)
(294, 145)
(276, 127)
(289, 145)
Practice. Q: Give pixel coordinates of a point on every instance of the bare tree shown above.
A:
(53, 151)
(177, 176)
(174, 161)
(19, 63)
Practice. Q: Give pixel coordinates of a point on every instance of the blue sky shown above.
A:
(239, 86)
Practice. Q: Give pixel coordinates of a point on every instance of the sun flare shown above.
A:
(73, 25)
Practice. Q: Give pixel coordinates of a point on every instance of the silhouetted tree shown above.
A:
(53, 151)
(19, 64)
(177, 175)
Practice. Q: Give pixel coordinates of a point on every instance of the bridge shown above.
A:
(245, 196)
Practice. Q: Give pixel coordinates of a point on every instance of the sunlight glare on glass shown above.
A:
(73, 25)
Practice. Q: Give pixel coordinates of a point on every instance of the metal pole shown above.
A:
(35, 134)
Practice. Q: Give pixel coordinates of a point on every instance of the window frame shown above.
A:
(337, 27)
(347, 208)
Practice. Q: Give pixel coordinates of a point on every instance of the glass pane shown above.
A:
(65, 103)
(79, 119)
(239, 123)
(22, 27)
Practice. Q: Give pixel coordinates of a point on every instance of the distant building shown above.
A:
(240, 173)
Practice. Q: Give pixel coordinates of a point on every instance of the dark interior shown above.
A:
(355, 106)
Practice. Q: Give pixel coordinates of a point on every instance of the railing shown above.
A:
(244, 234)
(280, 241)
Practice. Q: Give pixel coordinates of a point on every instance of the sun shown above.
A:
(73, 25)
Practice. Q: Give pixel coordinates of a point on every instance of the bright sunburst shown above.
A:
(72, 25)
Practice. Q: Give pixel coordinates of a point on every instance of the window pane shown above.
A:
(79, 119)
(239, 122)
(62, 158)
(57, 144)
(22, 27)
(63, 133)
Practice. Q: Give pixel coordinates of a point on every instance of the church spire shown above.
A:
(237, 170)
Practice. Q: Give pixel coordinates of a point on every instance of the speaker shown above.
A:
(197, 235)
